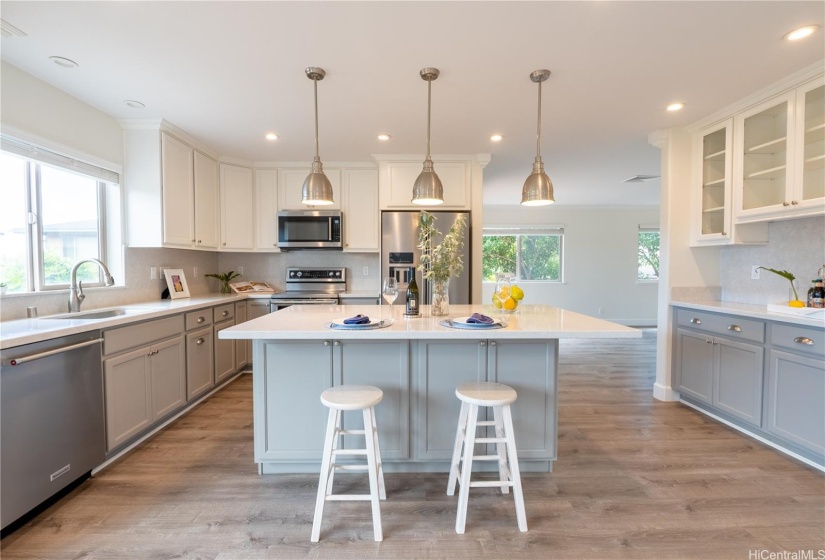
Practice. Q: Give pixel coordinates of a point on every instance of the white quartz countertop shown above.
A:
(26, 331)
(359, 294)
(308, 322)
(753, 311)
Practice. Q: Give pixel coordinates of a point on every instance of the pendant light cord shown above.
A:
(315, 84)
(538, 129)
(429, 109)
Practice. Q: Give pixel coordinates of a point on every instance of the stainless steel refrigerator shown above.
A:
(399, 252)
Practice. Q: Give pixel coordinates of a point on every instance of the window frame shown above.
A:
(647, 229)
(518, 232)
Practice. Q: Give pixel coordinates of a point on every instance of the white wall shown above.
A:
(599, 260)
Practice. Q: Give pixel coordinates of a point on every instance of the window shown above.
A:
(648, 266)
(528, 254)
(54, 214)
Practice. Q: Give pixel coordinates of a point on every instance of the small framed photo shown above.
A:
(176, 281)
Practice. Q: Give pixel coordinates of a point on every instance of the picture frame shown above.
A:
(176, 282)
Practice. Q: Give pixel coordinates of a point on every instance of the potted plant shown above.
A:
(225, 279)
(442, 262)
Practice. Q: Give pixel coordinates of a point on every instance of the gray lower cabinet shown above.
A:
(224, 349)
(200, 368)
(241, 346)
(694, 359)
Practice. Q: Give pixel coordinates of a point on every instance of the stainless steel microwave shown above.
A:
(310, 229)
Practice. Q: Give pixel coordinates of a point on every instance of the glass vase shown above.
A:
(440, 290)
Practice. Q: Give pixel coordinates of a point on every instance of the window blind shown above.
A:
(22, 148)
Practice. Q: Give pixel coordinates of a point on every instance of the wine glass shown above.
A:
(390, 291)
(502, 292)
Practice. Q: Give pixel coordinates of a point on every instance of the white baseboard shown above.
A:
(662, 393)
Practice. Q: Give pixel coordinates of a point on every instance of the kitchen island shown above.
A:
(418, 363)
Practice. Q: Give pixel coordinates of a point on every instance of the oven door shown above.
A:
(278, 304)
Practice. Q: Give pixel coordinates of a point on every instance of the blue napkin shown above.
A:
(479, 318)
(357, 320)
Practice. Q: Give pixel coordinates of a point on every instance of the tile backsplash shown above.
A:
(797, 246)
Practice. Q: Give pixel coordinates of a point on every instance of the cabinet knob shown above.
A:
(482, 344)
(193, 241)
(201, 319)
(794, 202)
(696, 321)
(492, 344)
(274, 244)
(707, 341)
(224, 243)
(735, 328)
(785, 204)
(326, 343)
(336, 343)
(225, 313)
(724, 233)
(199, 341)
(199, 241)
(804, 340)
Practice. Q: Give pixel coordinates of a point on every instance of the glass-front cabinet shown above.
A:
(713, 181)
(810, 121)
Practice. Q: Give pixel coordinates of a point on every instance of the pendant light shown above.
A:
(427, 189)
(538, 189)
(317, 189)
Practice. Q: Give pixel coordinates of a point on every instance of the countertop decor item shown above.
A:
(538, 188)
(427, 188)
(790, 277)
(225, 279)
(176, 282)
(442, 262)
(317, 189)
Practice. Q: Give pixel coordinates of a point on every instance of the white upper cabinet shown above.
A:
(810, 134)
(713, 154)
(206, 201)
(397, 178)
(237, 209)
(359, 203)
(291, 181)
(266, 207)
(177, 176)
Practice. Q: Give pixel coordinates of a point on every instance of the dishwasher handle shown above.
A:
(32, 357)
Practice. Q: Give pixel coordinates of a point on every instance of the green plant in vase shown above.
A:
(442, 262)
(795, 302)
(225, 279)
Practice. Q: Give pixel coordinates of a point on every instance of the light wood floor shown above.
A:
(635, 478)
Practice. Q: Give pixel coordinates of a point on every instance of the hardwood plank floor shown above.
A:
(635, 478)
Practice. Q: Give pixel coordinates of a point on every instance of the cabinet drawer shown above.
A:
(737, 328)
(224, 312)
(198, 319)
(143, 334)
(798, 339)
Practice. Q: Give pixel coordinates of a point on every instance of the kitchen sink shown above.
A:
(100, 314)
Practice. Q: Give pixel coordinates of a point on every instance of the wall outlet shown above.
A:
(366, 271)
(755, 272)
(601, 310)
(240, 270)
(153, 273)
(194, 271)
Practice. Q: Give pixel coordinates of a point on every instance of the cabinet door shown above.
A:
(178, 182)
(168, 377)
(713, 151)
(359, 201)
(529, 368)
(737, 379)
(441, 367)
(290, 420)
(237, 208)
(809, 172)
(694, 364)
(398, 178)
(206, 202)
(200, 369)
(796, 391)
(224, 353)
(128, 396)
(291, 181)
(384, 365)
(241, 346)
(266, 206)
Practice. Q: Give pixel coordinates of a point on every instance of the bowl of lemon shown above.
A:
(507, 297)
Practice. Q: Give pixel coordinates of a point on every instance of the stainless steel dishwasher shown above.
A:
(51, 419)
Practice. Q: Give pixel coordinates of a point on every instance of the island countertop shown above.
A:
(310, 322)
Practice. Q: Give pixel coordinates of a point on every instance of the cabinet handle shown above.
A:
(326, 343)
(794, 202)
(715, 342)
(201, 319)
(193, 241)
(735, 328)
(707, 341)
(274, 244)
(224, 243)
(199, 241)
(804, 340)
(482, 344)
(724, 233)
(492, 344)
(336, 343)
(696, 321)
(785, 204)
(225, 313)
(199, 341)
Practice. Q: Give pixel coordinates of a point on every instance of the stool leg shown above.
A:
(382, 490)
(466, 468)
(514, 470)
(322, 483)
(459, 439)
(372, 468)
(335, 441)
(502, 456)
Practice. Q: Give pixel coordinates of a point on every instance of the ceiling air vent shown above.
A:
(8, 30)
(641, 178)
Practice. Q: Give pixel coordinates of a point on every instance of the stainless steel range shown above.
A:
(310, 286)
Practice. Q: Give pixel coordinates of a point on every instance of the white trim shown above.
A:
(757, 437)
(667, 394)
(60, 149)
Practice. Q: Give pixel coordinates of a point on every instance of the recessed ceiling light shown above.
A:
(64, 62)
(271, 136)
(134, 104)
(801, 33)
(675, 107)
(383, 137)
(496, 138)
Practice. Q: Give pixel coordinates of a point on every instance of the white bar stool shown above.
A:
(339, 399)
(499, 397)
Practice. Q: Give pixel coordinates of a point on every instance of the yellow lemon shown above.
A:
(517, 293)
(496, 302)
(796, 303)
(510, 304)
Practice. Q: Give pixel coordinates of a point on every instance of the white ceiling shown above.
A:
(228, 72)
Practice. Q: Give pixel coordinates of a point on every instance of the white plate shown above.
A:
(339, 324)
(464, 321)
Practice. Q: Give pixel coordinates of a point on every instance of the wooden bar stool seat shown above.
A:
(498, 397)
(339, 399)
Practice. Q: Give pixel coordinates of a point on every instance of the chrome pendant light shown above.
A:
(317, 189)
(538, 189)
(427, 189)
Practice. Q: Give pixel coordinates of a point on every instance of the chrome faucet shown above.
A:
(76, 295)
